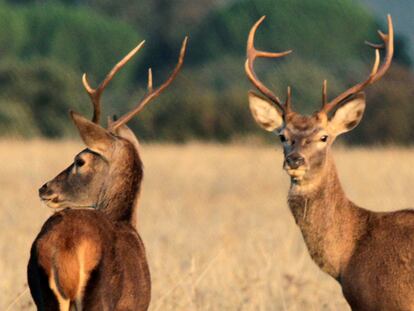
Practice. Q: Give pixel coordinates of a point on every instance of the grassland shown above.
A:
(214, 220)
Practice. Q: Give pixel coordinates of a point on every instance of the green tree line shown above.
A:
(47, 45)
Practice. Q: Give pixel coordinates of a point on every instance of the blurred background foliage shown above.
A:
(45, 46)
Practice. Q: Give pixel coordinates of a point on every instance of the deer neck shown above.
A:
(330, 223)
(120, 193)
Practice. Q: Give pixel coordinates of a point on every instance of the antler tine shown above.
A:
(288, 102)
(95, 94)
(377, 71)
(153, 93)
(324, 93)
(252, 54)
(389, 45)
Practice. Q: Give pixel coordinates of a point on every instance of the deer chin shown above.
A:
(53, 202)
(296, 175)
(57, 204)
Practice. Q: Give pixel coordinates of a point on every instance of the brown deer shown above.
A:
(371, 254)
(88, 255)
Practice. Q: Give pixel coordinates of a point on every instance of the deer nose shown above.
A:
(295, 160)
(43, 190)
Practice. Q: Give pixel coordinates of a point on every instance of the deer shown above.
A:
(370, 254)
(88, 254)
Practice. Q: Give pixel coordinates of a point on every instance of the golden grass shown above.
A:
(214, 220)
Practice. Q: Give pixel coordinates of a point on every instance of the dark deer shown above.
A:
(370, 254)
(88, 255)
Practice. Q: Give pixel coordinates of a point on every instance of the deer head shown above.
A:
(108, 173)
(307, 139)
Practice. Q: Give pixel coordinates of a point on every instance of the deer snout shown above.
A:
(294, 161)
(45, 191)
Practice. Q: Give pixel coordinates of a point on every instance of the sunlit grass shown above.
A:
(214, 220)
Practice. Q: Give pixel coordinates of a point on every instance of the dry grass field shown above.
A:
(214, 220)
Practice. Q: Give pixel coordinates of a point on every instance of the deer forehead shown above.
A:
(88, 155)
(300, 125)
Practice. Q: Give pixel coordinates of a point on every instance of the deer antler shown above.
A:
(152, 93)
(95, 94)
(376, 73)
(252, 54)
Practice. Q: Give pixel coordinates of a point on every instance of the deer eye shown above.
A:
(324, 138)
(282, 138)
(79, 162)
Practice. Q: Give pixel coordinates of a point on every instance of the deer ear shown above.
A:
(93, 135)
(125, 132)
(264, 113)
(349, 115)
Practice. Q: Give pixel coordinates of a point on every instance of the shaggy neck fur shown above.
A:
(120, 192)
(330, 223)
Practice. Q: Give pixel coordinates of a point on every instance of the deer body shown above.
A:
(81, 259)
(89, 256)
(370, 254)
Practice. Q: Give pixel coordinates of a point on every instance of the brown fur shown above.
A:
(92, 258)
(370, 254)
